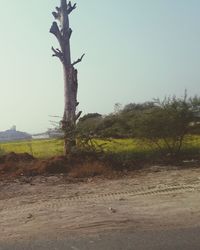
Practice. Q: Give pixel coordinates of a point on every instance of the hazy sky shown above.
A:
(135, 50)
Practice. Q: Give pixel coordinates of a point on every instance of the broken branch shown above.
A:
(55, 30)
(78, 61)
(57, 14)
(58, 53)
(58, 9)
(70, 32)
(70, 7)
(78, 115)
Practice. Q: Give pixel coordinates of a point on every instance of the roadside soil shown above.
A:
(153, 199)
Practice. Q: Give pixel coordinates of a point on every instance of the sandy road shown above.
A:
(174, 239)
(50, 207)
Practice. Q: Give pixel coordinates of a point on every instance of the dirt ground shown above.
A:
(32, 207)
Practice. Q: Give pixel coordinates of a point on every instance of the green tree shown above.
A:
(88, 124)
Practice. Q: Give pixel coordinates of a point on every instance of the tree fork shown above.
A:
(63, 34)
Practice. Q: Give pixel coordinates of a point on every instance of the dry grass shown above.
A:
(90, 169)
(14, 165)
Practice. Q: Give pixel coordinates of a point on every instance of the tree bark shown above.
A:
(63, 34)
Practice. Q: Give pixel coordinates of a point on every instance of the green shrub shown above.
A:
(167, 123)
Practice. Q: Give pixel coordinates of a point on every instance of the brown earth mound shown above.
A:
(77, 166)
(14, 165)
(54, 165)
(13, 157)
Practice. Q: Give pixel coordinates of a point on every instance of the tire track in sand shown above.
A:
(56, 204)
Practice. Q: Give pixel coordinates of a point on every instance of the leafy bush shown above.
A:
(167, 123)
(162, 124)
(88, 124)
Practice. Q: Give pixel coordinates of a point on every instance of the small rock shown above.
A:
(112, 210)
(29, 216)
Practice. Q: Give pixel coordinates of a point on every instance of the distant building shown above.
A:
(51, 133)
(14, 135)
(40, 136)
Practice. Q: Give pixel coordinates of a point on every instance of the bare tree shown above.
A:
(63, 33)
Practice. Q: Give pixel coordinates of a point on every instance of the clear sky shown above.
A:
(135, 50)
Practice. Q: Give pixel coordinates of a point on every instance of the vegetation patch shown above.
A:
(140, 135)
(90, 169)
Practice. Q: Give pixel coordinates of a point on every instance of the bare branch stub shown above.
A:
(55, 30)
(55, 116)
(78, 61)
(58, 9)
(58, 53)
(78, 115)
(57, 13)
(70, 32)
(70, 7)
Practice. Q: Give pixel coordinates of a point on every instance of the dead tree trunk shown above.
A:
(63, 33)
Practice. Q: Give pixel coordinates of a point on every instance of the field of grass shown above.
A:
(53, 147)
(37, 148)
